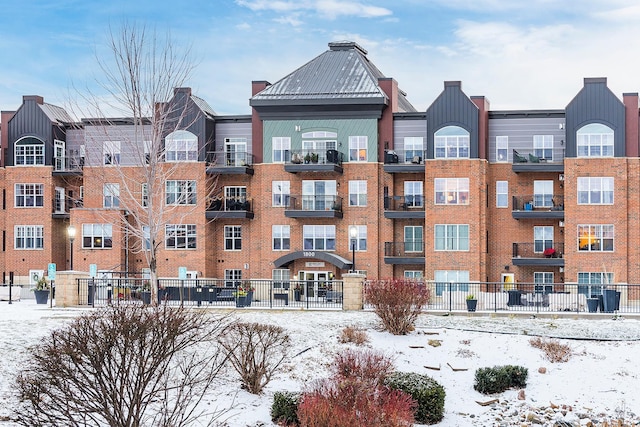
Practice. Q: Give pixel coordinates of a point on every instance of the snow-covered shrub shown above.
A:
(500, 378)
(397, 302)
(353, 335)
(554, 350)
(427, 392)
(284, 409)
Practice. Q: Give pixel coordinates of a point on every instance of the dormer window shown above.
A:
(29, 151)
(595, 140)
(451, 142)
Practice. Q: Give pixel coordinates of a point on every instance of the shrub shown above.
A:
(500, 378)
(356, 395)
(353, 335)
(397, 302)
(256, 352)
(554, 351)
(427, 392)
(284, 410)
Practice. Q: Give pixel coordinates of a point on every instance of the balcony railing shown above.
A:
(406, 249)
(231, 204)
(415, 157)
(403, 203)
(315, 157)
(229, 158)
(538, 253)
(546, 202)
(71, 164)
(534, 161)
(315, 203)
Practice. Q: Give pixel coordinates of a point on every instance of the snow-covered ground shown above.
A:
(600, 378)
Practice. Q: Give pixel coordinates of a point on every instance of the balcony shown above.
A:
(404, 161)
(68, 166)
(325, 206)
(230, 208)
(404, 252)
(535, 254)
(59, 210)
(528, 162)
(537, 206)
(404, 207)
(308, 161)
(230, 163)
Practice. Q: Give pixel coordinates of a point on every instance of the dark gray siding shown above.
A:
(186, 115)
(233, 130)
(453, 108)
(595, 103)
(406, 128)
(520, 132)
(30, 120)
(131, 143)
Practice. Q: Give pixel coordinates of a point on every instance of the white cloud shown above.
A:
(330, 9)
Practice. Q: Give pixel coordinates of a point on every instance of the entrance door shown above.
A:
(59, 155)
(315, 284)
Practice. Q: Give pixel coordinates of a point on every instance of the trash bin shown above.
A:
(515, 298)
(592, 304)
(90, 295)
(609, 297)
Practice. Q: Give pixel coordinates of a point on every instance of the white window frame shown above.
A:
(281, 237)
(502, 149)
(184, 237)
(232, 238)
(181, 146)
(28, 237)
(595, 140)
(232, 277)
(543, 193)
(234, 196)
(413, 275)
(360, 240)
(413, 146)
(281, 193)
(281, 147)
(144, 195)
(414, 193)
(146, 238)
(593, 283)
(358, 193)
(180, 192)
(413, 239)
(111, 195)
(451, 142)
(543, 282)
(319, 237)
(542, 238)
(358, 148)
(594, 188)
(29, 195)
(543, 147)
(26, 153)
(235, 151)
(319, 195)
(451, 237)
(596, 237)
(281, 278)
(454, 280)
(111, 153)
(99, 236)
(502, 194)
(451, 191)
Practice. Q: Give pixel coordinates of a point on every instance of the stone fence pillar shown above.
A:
(353, 294)
(67, 288)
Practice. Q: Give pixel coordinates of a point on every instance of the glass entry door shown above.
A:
(314, 284)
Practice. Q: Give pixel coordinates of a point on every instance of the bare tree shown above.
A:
(124, 366)
(139, 79)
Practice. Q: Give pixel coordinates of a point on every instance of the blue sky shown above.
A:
(519, 54)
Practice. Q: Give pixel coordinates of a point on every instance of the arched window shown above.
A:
(29, 151)
(595, 140)
(181, 146)
(451, 142)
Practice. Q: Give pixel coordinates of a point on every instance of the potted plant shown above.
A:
(314, 157)
(296, 292)
(145, 292)
(41, 291)
(472, 302)
(307, 158)
(244, 294)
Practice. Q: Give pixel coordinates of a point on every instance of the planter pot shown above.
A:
(241, 301)
(296, 294)
(592, 304)
(146, 297)
(472, 304)
(41, 296)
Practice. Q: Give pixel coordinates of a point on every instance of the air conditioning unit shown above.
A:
(561, 224)
(561, 177)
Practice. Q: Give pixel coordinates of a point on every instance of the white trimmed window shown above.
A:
(451, 237)
(281, 237)
(180, 236)
(543, 281)
(111, 152)
(413, 148)
(543, 146)
(29, 151)
(593, 283)
(542, 238)
(595, 190)
(451, 280)
(358, 146)
(236, 198)
(319, 237)
(502, 194)
(502, 148)
(180, 192)
(361, 238)
(146, 237)
(232, 237)
(413, 239)
(281, 193)
(235, 150)
(111, 195)
(281, 146)
(29, 195)
(357, 193)
(543, 194)
(232, 277)
(319, 195)
(451, 191)
(97, 236)
(144, 195)
(413, 193)
(413, 274)
(451, 142)
(281, 278)
(595, 140)
(595, 237)
(29, 236)
(181, 146)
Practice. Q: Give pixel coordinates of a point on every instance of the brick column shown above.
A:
(67, 288)
(353, 296)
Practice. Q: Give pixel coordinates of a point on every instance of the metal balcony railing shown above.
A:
(313, 157)
(406, 249)
(68, 164)
(231, 204)
(229, 158)
(540, 249)
(537, 201)
(315, 203)
(403, 203)
(415, 157)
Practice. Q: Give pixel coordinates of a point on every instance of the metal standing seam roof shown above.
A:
(56, 114)
(203, 105)
(342, 72)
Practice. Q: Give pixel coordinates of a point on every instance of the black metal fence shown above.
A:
(213, 292)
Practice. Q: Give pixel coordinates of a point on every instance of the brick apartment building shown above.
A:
(332, 164)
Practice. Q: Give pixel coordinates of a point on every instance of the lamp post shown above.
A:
(71, 232)
(353, 233)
